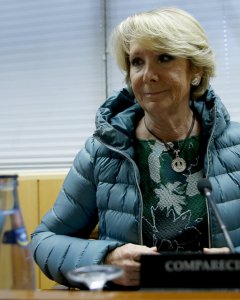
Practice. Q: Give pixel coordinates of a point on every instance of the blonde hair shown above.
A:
(168, 30)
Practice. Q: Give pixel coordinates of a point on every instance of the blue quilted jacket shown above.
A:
(102, 187)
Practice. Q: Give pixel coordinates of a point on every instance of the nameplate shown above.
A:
(190, 271)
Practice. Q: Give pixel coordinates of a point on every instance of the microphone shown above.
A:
(205, 188)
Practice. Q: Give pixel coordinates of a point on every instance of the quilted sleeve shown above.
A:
(61, 242)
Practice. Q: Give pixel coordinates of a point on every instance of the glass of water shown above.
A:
(94, 277)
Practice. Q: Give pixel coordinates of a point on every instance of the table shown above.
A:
(123, 295)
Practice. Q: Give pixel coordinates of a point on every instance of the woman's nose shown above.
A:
(150, 74)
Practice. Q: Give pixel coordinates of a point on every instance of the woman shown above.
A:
(137, 175)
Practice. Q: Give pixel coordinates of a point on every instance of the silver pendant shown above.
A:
(178, 164)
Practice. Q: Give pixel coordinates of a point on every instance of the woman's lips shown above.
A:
(151, 94)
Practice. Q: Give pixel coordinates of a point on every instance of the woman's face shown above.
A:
(160, 82)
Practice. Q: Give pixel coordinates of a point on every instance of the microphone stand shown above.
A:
(220, 221)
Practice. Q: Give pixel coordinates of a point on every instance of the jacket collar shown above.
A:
(117, 118)
(211, 112)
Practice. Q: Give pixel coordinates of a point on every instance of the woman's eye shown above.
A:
(165, 58)
(136, 61)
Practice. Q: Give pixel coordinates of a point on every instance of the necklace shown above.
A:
(178, 163)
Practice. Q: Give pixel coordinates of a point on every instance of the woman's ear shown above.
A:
(195, 81)
(197, 76)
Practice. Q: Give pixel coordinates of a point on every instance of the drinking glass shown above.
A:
(94, 277)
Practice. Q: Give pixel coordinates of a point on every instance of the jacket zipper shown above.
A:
(135, 175)
(207, 174)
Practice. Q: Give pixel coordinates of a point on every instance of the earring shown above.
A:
(195, 81)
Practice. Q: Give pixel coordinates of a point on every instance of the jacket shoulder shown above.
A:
(230, 137)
